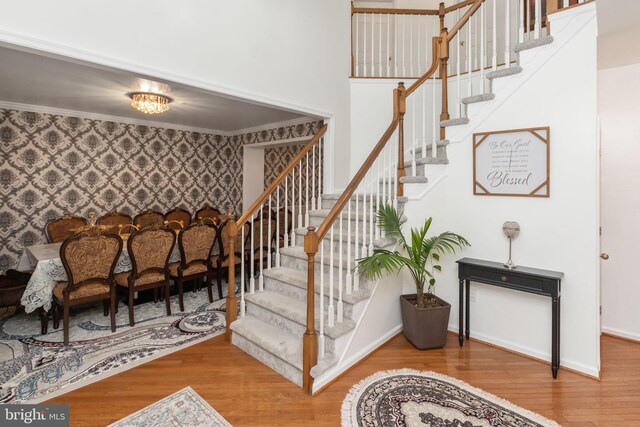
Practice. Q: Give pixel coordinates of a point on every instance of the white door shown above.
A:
(619, 89)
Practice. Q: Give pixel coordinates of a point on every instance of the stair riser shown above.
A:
(329, 204)
(288, 371)
(441, 152)
(316, 221)
(301, 294)
(300, 264)
(336, 248)
(284, 323)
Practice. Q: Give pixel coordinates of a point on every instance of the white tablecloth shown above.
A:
(48, 271)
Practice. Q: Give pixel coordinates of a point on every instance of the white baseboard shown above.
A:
(333, 373)
(592, 371)
(620, 333)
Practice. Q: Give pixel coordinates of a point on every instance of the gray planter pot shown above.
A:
(425, 328)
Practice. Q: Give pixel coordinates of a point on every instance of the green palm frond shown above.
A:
(390, 222)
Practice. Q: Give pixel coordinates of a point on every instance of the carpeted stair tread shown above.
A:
(504, 72)
(325, 212)
(298, 279)
(378, 243)
(454, 122)
(277, 342)
(532, 44)
(414, 179)
(428, 161)
(298, 252)
(296, 311)
(353, 197)
(483, 97)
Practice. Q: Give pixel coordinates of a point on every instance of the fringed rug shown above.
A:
(35, 367)
(183, 408)
(410, 398)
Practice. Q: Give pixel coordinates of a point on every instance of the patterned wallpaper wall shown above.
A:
(52, 165)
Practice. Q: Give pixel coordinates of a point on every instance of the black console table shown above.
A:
(525, 279)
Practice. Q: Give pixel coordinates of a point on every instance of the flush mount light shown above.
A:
(149, 103)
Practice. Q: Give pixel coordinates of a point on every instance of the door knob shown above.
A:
(604, 256)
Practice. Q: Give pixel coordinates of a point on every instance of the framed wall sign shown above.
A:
(511, 163)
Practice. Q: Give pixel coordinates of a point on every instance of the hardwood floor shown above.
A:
(246, 392)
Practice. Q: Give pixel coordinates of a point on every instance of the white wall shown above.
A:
(293, 53)
(618, 91)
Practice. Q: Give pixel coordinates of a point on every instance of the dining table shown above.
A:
(48, 270)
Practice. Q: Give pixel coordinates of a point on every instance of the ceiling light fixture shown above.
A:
(150, 103)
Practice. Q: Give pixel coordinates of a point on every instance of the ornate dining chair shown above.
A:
(59, 229)
(89, 259)
(149, 249)
(195, 242)
(114, 221)
(207, 212)
(148, 218)
(282, 214)
(177, 218)
(262, 249)
(221, 261)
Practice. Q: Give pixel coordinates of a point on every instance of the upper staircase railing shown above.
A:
(481, 39)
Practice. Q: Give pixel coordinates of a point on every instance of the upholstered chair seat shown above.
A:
(149, 249)
(86, 290)
(196, 243)
(89, 259)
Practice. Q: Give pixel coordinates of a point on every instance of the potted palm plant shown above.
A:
(424, 316)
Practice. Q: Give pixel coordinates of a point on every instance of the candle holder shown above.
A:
(511, 229)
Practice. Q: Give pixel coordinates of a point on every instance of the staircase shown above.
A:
(331, 231)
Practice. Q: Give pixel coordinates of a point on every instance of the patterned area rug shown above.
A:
(408, 397)
(183, 408)
(35, 367)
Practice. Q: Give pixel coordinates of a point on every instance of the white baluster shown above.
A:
(286, 211)
(363, 252)
(411, 45)
(436, 120)
(395, 174)
(379, 184)
(252, 279)
(269, 235)
(300, 217)
(261, 255)
(374, 183)
(413, 136)
(306, 192)
(404, 58)
(364, 45)
(423, 90)
(313, 180)
(387, 59)
(458, 39)
(357, 50)
(528, 21)
(321, 334)
(538, 21)
(340, 307)
(293, 207)
(469, 58)
(395, 49)
(494, 35)
(320, 168)
(507, 34)
(384, 175)
(521, 20)
(380, 45)
(483, 29)
(356, 243)
(390, 174)
(373, 38)
(277, 241)
(348, 277)
(242, 301)
(331, 313)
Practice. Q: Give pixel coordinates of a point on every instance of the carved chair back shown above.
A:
(177, 218)
(59, 229)
(148, 218)
(224, 240)
(115, 221)
(268, 228)
(150, 249)
(196, 242)
(207, 212)
(90, 257)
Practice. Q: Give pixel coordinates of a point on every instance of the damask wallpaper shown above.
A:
(52, 165)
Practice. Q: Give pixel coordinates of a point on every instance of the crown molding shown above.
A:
(108, 118)
(268, 126)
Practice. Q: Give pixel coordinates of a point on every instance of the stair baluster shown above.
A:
(293, 207)
(340, 306)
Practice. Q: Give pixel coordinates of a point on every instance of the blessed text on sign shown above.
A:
(511, 163)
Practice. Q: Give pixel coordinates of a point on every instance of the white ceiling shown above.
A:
(617, 16)
(34, 79)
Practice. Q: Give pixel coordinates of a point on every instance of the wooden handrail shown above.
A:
(463, 20)
(272, 188)
(434, 66)
(389, 11)
(346, 195)
(458, 6)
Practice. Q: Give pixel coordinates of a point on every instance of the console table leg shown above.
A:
(461, 314)
(468, 307)
(555, 336)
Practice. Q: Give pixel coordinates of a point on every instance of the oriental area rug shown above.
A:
(410, 398)
(184, 408)
(35, 367)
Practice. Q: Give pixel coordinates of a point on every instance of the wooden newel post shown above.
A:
(444, 58)
(310, 339)
(399, 108)
(232, 301)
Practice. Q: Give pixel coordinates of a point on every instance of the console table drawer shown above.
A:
(507, 279)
